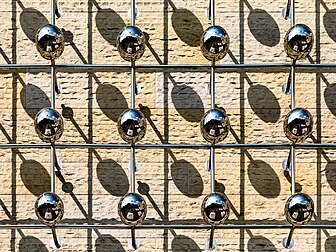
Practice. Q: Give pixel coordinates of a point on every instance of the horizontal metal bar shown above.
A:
(168, 226)
(164, 67)
(171, 146)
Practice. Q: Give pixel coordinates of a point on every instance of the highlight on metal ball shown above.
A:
(215, 43)
(49, 41)
(49, 125)
(299, 41)
(215, 125)
(132, 209)
(299, 209)
(215, 209)
(131, 43)
(298, 125)
(132, 125)
(49, 208)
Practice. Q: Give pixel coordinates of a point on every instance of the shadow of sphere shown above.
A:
(260, 243)
(33, 99)
(329, 21)
(187, 27)
(187, 103)
(109, 24)
(330, 244)
(264, 103)
(111, 101)
(183, 243)
(187, 178)
(329, 97)
(107, 243)
(263, 178)
(330, 171)
(263, 27)
(31, 20)
(31, 244)
(112, 177)
(30, 170)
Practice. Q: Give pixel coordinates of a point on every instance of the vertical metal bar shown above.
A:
(133, 85)
(293, 84)
(133, 11)
(289, 238)
(52, 168)
(53, 18)
(212, 11)
(132, 169)
(212, 85)
(213, 168)
(293, 169)
(52, 98)
(293, 12)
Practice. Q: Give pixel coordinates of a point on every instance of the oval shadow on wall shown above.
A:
(33, 99)
(31, 21)
(112, 177)
(187, 178)
(30, 170)
(107, 243)
(263, 178)
(31, 244)
(329, 97)
(330, 171)
(183, 243)
(109, 24)
(260, 243)
(111, 101)
(330, 244)
(187, 102)
(263, 27)
(264, 103)
(187, 27)
(329, 21)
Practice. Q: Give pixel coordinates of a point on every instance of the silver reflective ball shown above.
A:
(49, 208)
(299, 41)
(215, 43)
(215, 126)
(49, 41)
(132, 125)
(131, 43)
(49, 125)
(215, 209)
(132, 209)
(299, 209)
(298, 125)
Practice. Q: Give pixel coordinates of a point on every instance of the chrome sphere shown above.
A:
(215, 209)
(215, 125)
(49, 41)
(215, 43)
(299, 41)
(49, 208)
(299, 209)
(132, 209)
(298, 125)
(132, 125)
(49, 125)
(131, 43)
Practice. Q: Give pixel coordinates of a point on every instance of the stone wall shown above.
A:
(172, 181)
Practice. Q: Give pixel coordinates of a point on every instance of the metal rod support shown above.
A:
(293, 169)
(289, 238)
(133, 84)
(133, 12)
(134, 245)
(274, 67)
(212, 85)
(168, 226)
(53, 12)
(54, 235)
(170, 146)
(212, 11)
(293, 84)
(53, 75)
(52, 168)
(212, 234)
(132, 169)
(213, 168)
(293, 12)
